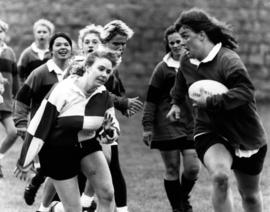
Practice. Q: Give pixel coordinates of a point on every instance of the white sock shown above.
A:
(122, 209)
(86, 200)
(58, 207)
(1, 156)
(42, 208)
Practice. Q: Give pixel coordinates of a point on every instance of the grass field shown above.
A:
(143, 170)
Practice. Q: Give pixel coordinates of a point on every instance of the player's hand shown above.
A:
(109, 133)
(134, 105)
(130, 113)
(23, 173)
(201, 102)
(174, 113)
(147, 137)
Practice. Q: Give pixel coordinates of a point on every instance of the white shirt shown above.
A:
(40, 52)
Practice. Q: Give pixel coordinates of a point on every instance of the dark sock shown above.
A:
(173, 190)
(81, 181)
(186, 186)
(38, 179)
(119, 183)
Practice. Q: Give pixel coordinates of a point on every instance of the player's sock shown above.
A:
(122, 209)
(186, 186)
(42, 208)
(119, 183)
(174, 194)
(86, 200)
(1, 156)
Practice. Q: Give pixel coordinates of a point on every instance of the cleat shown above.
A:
(32, 188)
(187, 206)
(30, 194)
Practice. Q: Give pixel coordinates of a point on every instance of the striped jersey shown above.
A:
(67, 117)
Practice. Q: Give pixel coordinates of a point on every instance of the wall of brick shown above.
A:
(249, 18)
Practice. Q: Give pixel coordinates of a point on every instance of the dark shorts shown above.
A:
(61, 163)
(252, 165)
(176, 144)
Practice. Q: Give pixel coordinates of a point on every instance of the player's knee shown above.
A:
(253, 198)
(106, 193)
(172, 172)
(221, 181)
(192, 172)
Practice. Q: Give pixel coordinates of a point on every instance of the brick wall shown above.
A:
(250, 19)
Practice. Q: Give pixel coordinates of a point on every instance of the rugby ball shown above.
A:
(206, 88)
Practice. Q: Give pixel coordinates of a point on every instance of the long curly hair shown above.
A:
(217, 31)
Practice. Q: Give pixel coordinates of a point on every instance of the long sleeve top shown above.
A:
(30, 59)
(232, 115)
(34, 89)
(66, 118)
(116, 88)
(8, 69)
(158, 104)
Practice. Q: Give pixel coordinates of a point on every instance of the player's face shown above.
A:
(42, 34)
(61, 49)
(118, 43)
(90, 43)
(99, 73)
(191, 42)
(174, 42)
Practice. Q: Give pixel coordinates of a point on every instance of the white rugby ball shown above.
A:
(209, 88)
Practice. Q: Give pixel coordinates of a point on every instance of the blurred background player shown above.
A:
(171, 138)
(38, 52)
(9, 86)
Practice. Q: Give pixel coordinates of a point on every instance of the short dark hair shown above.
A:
(57, 35)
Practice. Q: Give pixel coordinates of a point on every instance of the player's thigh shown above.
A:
(247, 184)
(96, 169)
(68, 191)
(191, 161)
(217, 158)
(107, 150)
(171, 159)
(9, 123)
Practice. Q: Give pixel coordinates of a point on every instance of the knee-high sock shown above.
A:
(119, 183)
(174, 194)
(186, 186)
(39, 178)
